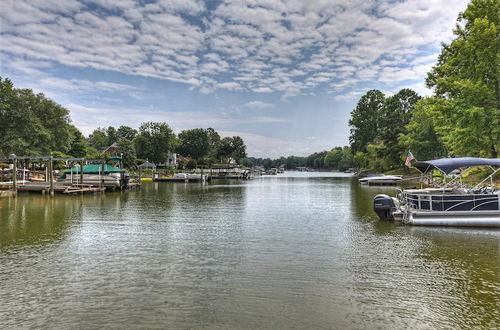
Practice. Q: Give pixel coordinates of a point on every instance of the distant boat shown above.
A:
(380, 179)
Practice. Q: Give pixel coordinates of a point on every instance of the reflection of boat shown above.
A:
(380, 179)
(453, 204)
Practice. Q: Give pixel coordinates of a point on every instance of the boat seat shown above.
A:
(459, 191)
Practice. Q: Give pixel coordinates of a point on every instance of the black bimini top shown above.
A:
(447, 165)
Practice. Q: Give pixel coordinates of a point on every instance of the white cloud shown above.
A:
(261, 46)
(264, 146)
(257, 105)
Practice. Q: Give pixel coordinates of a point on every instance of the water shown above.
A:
(294, 251)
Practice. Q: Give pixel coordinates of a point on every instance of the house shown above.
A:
(112, 150)
(171, 159)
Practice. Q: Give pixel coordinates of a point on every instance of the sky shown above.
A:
(283, 75)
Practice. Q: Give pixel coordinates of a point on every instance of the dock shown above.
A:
(44, 187)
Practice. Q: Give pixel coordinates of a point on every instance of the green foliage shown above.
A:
(231, 147)
(126, 132)
(111, 136)
(78, 146)
(395, 116)
(426, 133)
(191, 164)
(360, 160)
(194, 143)
(339, 158)
(98, 139)
(379, 122)
(154, 141)
(364, 120)
(466, 77)
(127, 151)
(31, 124)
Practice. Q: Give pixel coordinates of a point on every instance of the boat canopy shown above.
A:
(447, 165)
(93, 169)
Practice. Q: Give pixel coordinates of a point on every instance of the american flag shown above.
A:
(409, 158)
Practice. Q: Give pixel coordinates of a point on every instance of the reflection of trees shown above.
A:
(32, 219)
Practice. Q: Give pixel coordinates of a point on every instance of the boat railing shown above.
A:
(451, 202)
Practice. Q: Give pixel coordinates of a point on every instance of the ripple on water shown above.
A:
(295, 251)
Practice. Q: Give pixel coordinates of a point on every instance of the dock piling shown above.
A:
(14, 176)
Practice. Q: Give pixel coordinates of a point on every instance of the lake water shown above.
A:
(293, 251)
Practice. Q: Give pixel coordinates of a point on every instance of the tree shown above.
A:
(422, 138)
(364, 120)
(194, 143)
(126, 132)
(232, 147)
(214, 141)
(98, 139)
(111, 135)
(332, 158)
(466, 78)
(239, 148)
(78, 146)
(31, 123)
(395, 115)
(127, 151)
(154, 141)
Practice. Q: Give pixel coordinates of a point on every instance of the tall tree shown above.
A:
(126, 132)
(127, 151)
(98, 139)
(154, 141)
(194, 143)
(214, 140)
(31, 123)
(232, 147)
(466, 77)
(422, 138)
(364, 120)
(111, 135)
(78, 146)
(395, 115)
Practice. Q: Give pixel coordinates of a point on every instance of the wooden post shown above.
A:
(14, 176)
(81, 175)
(102, 175)
(51, 176)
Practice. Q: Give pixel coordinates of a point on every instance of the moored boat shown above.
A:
(452, 204)
(380, 179)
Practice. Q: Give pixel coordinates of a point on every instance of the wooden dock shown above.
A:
(44, 187)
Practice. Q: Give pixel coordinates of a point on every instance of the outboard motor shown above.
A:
(384, 206)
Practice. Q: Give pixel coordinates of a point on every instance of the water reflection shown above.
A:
(296, 251)
(36, 219)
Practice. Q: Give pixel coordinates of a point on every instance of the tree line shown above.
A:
(32, 124)
(462, 116)
(339, 158)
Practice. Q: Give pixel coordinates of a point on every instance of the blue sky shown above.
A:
(284, 75)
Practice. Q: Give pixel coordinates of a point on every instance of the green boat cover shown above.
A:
(93, 169)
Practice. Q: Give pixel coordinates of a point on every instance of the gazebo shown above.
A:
(147, 165)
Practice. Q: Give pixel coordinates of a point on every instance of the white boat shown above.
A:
(380, 179)
(453, 204)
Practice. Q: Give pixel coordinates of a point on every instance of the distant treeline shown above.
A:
(31, 124)
(460, 119)
(336, 159)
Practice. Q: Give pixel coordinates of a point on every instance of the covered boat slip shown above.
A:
(103, 175)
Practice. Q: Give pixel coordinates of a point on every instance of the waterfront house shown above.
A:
(112, 150)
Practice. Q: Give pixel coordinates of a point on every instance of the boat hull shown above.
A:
(455, 219)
